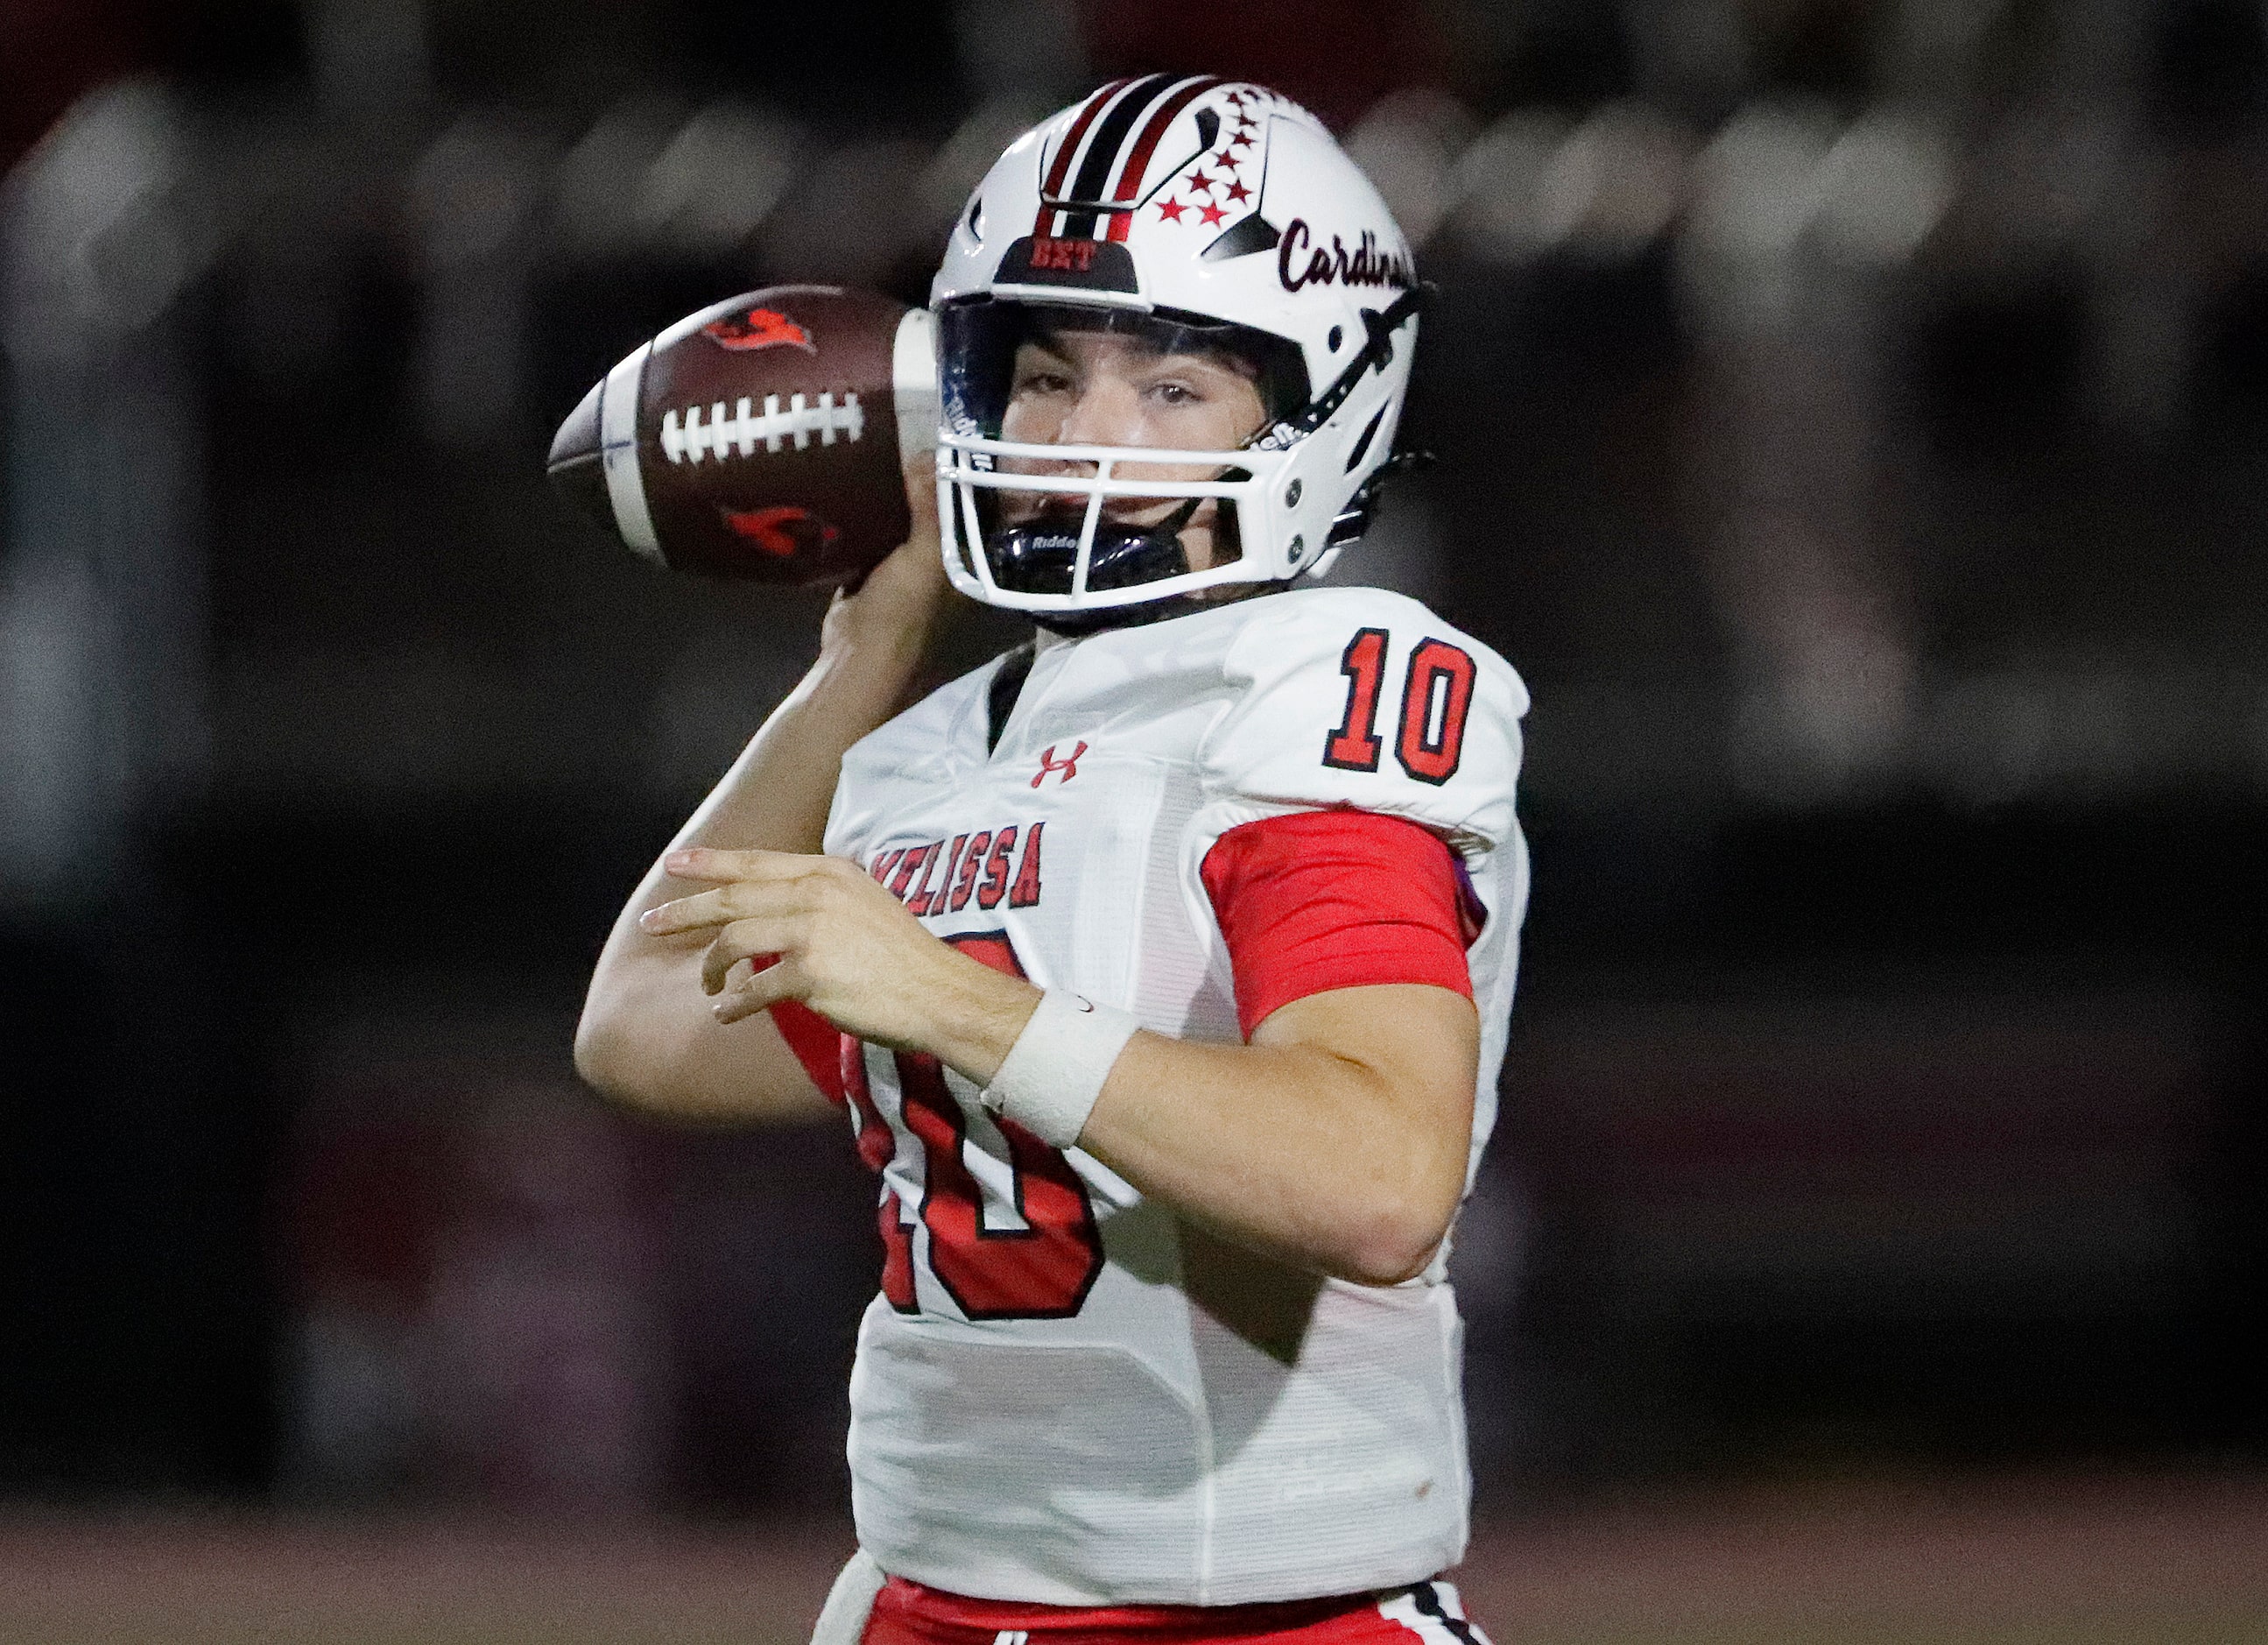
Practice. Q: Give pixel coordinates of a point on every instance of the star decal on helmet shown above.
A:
(1213, 189)
(1203, 188)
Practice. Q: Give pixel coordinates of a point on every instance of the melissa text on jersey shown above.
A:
(983, 866)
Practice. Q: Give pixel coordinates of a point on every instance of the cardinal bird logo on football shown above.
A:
(782, 531)
(758, 328)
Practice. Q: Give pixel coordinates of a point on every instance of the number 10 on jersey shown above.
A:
(1437, 693)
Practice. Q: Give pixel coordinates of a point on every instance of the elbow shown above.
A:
(603, 1062)
(1393, 1243)
(1384, 1264)
(621, 1049)
(1391, 1220)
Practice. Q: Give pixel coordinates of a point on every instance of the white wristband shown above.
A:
(1053, 1073)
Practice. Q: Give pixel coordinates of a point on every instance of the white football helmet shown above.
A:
(1192, 212)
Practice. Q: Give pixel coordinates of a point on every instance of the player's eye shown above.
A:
(1042, 381)
(1176, 394)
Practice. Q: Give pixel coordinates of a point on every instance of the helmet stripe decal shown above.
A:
(1070, 145)
(1103, 148)
(1057, 172)
(1137, 161)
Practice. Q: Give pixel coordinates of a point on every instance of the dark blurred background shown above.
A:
(1852, 423)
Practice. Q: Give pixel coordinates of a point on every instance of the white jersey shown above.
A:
(1064, 1394)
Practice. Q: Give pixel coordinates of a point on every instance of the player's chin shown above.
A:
(1144, 512)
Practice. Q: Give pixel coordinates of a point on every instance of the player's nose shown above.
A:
(1106, 413)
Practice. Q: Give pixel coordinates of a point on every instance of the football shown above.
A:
(761, 439)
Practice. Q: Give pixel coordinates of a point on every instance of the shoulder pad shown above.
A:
(1355, 697)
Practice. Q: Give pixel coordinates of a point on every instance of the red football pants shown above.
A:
(1429, 1613)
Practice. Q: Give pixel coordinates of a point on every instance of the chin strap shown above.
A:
(1355, 518)
(1170, 527)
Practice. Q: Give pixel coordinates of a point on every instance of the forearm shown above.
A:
(775, 795)
(646, 1034)
(1345, 1157)
(1305, 1156)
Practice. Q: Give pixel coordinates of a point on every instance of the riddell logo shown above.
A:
(1072, 256)
(758, 328)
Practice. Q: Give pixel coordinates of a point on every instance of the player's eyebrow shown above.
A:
(1049, 347)
(1152, 353)
(1220, 359)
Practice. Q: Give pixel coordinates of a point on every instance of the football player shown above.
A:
(1164, 964)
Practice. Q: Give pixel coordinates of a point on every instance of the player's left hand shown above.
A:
(845, 948)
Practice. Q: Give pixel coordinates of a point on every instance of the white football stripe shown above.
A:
(699, 432)
(618, 406)
(913, 369)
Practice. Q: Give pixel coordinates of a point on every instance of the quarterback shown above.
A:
(1163, 965)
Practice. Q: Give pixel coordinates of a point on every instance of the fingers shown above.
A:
(704, 862)
(688, 913)
(760, 992)
(783, 926)
(753, 883)
(759, 941)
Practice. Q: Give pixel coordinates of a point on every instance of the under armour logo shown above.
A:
(1011, 1636)
(1068, 767)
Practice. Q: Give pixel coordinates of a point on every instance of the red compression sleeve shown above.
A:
(817, 1045)
(1338, 899)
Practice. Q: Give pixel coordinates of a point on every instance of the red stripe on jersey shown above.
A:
(909, 1613)
(1137, 161)
(817, 1045)
(1320, 900)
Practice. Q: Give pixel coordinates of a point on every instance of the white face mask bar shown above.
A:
(967, 463)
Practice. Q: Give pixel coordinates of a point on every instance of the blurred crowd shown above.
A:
(1790, 254)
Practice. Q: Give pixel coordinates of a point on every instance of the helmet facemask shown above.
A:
(1087, 534)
